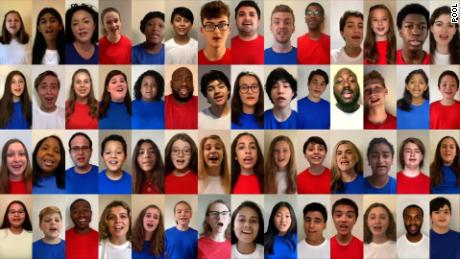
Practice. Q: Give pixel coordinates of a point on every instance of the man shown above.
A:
(314, 46)
(344, 244)
(48, 115)
(414, 244)
(181, 107)
(282, 28)
(375, 93)
(347, 113)
(314, 111)
(215, 86)
(83, 177)
(351, 29)
(315, 246)
(247, 46)
(81, 240)
(151, 51)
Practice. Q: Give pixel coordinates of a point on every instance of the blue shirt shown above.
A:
(117, 117)
(145, 253)
(314, 115)
(181, 244)
(47, 185)
(140, 55)
(42, 250)
(389, 188)
(270, 121)
(417, 118)
(82, 183)
(72, 56)
(18, 119)
(354, 187)
(148, 115)
(444, 246)
(274, 58)
(247, 121)
(120, 186)
(283, 248)
(449, 182)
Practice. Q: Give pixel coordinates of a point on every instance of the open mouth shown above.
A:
(216, 38)
(53, 229)
(113, 162)
(415, 43)
(347, 94)
(48, 162)
(248, 160)
(281, 99)
(213, 158)
(443, 37)
(356, 37)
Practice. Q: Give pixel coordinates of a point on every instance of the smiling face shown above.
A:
(251, 97)
(82, 85)
(17, 87)
(448, 87)
(443, 30)
(314, 17)
(151, 219)
(247, 21)
(282, 155)
(441, 218)
(216, 38)
(49, 155)
(146, 157)
(246, 225)
(413, 220)
(217, 93)
(353, 31)
(181, 155)
(13, 24)
(183, 214)
(113, 156)
(344, 218)
(375, 94)
(81, 214)
(283, 220)
(218, 222)
(16, 159)
(80, 151)
(345, 157)
(182, 84)
(315, 154)
(380, 22)
(281, 94)
(213, 152)
(117, 88)
(149, 88)
(48, 91)
(246, 152)
(51, 225)
(112, 23)
(16, 215)
(380, 159)
(316, 86)
(181, 25)
(414, 31)
(346, 88)
(448, 151)
(49, 26)
(154, 31)
(413, 156)
(83, 26)
(417, 86)
(117, 222)
(282, 27)
(314, 226)
(378, 221)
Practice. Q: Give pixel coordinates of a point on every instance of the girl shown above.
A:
(181, 49)
(215, 239)
(114, 179)
(51, 245)
(15, 169)
(148, 234)
(248, 231)
(247, 165)
(413, 109)
(281, 235)
(280, 167)
(214, 172)
(380, 156)
(445, 114)
(48, 166)
(411, 179)
(81, 22)
(115, 106)
(317, 177)
(445, 168)
(148, 107)
(115, 231)
(181, 165)
(215, 87)
(248, 103)
(152, 50)
(347, 169)
(48, 46)
(15, 103)
(380, 42)
(16, 232)
(444, 38)
(14, 40)
(148, 168)
(181, 239)
(379, 232)
(81, 107)
(114, 48)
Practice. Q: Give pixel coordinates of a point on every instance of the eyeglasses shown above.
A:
(185, 152)
(313, 13)
(20, 212)
(216, 214)
(210, 27)
(245, 88)
(80, 149)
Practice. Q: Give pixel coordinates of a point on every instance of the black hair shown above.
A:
(27, 225)
(439, 202)
(114, 137)
(405, 102)
(39, 48)
(376, 141)
(272, 231)
(412, 9)
(69, 37)
(317, 5)
(412, 206)
(318, 72)
(347, 15)
(314, 140)
(248, 3)
(83, 135)
(448, 73)
(160, 84)
(346, 202)
(210, 76)
(252, 205)
(59, 172)
(314, 206)
(184, 12)
(277, 75)
(148, 17)
(78, 200)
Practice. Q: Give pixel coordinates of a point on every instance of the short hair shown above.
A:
(213, 75)
(68, 21)
(83, 135)
(283, 9)
(412, 9)
(181, 202)
(415, 141)
(79, 200)
(160, 84)
(314, 140)
(374, 77)
(347, 15)
(42, 76)
(317, 5)
(47, 211)
(314, 206)
(248, 3)
(148, 17)
(448, 73)
(182, 11)
(346, 202)
(114, 137)
(439, 202)
(277, 75)
(415, 206)
(376, 141)
(214, 9)
(318, 72)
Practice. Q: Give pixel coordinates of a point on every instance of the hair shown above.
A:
(247, 3)
(211, 76)
(237, 104)
(83, 135)
(346, 202)
(436, 172)
(22, 35)
(258, 167)
(271, 168)
(454, 44)
(318, 72)
(159, 81)
(4, 172)
(391, 230)
(411, 9)
(6, 102)
(314, 140)
(193, 165)
(405, 102)
(106, 98)
(207, 229)
(158, 169)
(214, 9)
(252, 205)
(412, 206)
(347, 15)
(337, 185)
(314, 206)
(439, 202)
(370, 45)
(415, 141)
(79, 200)
(114, 137)
(39, 48)
(91, 102)
(272, 231)
(103, 228)
(314, 4)
(148, 17)
(26, 225)
(47, 211)
(59, 172)
(374, 76)
(376, 141)
(138, 234)
(224, 167)
(42, 77)
(182, 202)
(106, 11)
(68, 21)
(184, 12)
(280, 74)
(283, 9)
(448, 73)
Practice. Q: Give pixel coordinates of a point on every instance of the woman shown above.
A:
(114, 48)
(15, 169)
(347, 169)
(248, 103)
(48, 46)
(444, 38)
(215, 239)
(281, 235)
(280, 167)
(445, 168)
(379, 232)
(15, 103)
(214, 172)
(115, 106)
(148, 168)
(148, 234)
(16, 232)
(115, 231)
(247, 231)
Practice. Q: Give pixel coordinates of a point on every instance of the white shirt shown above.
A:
(338, 56)
(258, 253)
(207, 120)
(343, 120)
(108, 250)
(48, 120)
(281, 182)
(441, 59)
(181, 54)
(15, 246)
(386, 250)
(14, 53)
(413, 250)
(307, 251)
(51, 57)
(214, 186)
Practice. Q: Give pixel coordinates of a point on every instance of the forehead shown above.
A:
(182, 206)
(51, 141)
(448, 141)
(152, 211)
(345, 72)
(155, 20)
(413, 210)
(380, 147)
(245, 139)
(314, 214)
(81, 14)
(80, 204)
(117, 210)
(16, 206)
(49, 79)
(12, 15)
(182, 72)
(79, 139)
(218, 206)
(353, 19)
(378, 210)
(117, 77)
(111, 15)
(220, 19)
(344, 208)
(113, 144)
(373, 83)
(15, 146)
(318, 77)
(414, 18)
(281, 144)
(247, 8)
(181, 143)
(52, 215)
(345, 146)
(283, 210)
(212, 141)
(282, 15)
(247, 211)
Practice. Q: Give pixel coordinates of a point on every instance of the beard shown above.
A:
(348, 107)
(179, 98)
(412, 234)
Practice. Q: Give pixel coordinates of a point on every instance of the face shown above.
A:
(316, 86)
(216, 38)
(380, 22)
(247, 20)
(346, 89)
(182, 214)
(413, 221)
(375, 94)
(314, 225)
(149, 88)
(13, 24)
(51, 225)
(112, 23)
(283, 220)
(448, 87)
(314, 17)
(315, 154)
(181, 25)
(81, 213)
(49, 26)
(380, 159)
(246, 225)
(80, 151)
(49, 155)
(413, 156)
(217, 93)
(151, 219)
(48, 91)
(414, 31)
(82, 85)
(443, 30)
(114, 156)
(17, 86)
(378, 221)
(246, 152)
(155, 31)
(16, 215)
(251, 97)
(16, 159)
(282, 154)
(213, 153)
(83, 26)
(146, 157)
(345, 158)
(448, 151)
(118, 222)
(117, 88)
(353, 31)
(218, 217)
(182, 84)
(441, 217)
(417, 86)
(344, 219)
(281, 94)
(282, 26)
(181, 154)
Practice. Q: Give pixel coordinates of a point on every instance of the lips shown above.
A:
(415, 43)
(248, 160)
(281, 99)
(347, 93)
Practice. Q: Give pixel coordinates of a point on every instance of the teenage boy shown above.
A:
(215, 86)
(181, 240)
(444, 242)
(282, 27)
(82, 240)
(351, 29)
(315, 245)
(47, 115)
(314, 111)
(51, 245)
(375, 93)
(181, 49)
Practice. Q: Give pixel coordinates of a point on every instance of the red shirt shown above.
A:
(81, 245)
(314, 51)
(115, 53)
(309, 183)
(80, 118)
(390, 123)
(19, 187)
(354, 249)
(381, 47)
(210, 249)
(181, 116)
(149, 188)
(187, 184)
(225, 60)
(444, 117)
(247, 184)
(412, 185)
(248, 52)
(400, 60)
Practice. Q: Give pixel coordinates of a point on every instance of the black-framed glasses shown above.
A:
(216, 214)
(210, 27)
(245, 88)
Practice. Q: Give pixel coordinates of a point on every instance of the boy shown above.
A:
(375, 93)
(314, 111)
(282, 27)
(351, 29)
(181, 49)
(315, 246)
(215, 86)
(181, 240)
(51, 245)
(443, 240)
(46, 114)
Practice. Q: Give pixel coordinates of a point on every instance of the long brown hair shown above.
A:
(454, 44)
(22, 36)
(224, 167)
(370, 47)
(138, 237)
(91, 102)
(6, 103)
(193, 165)
(103, 228)
(27, 174)
(337, 185)
(271, 168)
(237, 104)
(106, 98)
(391, 230)
(158, 169)
(436, 166)
(207, 230)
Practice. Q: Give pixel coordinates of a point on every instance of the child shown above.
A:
(15, 169)
(15, 103)
(215, 238)
(380, 156)
(445, 113)
(215, 86)
(114, 48)
(152, 50)
(411, 179)
(148, 234)
(316, 178)
(443, 240)
(247, 231)
(248, 102)
(444, 38)
(281, 235)
(347, 169)
(14, 40)
(351, 29)
(48, 46)
(445, 168)
(380, 42)
(51, 245)
(379, 232)
(181, 48)
(214, 172)
(181, 240)
(280, 167)
(375, 94)
(16, 232)
(148, 168)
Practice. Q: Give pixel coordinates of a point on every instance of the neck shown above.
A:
(315, 242)
(246, 248)
(381, 37)
(413, 238)
(316, 169)
(380, 239)
(83, 100)
(314, 34)
(213, 171)
(220, 111)
(81, 230)
(249, 109)
(418, 100)
(352, 51)
(218, 236)
(48, 110)
(248, 37)
(344, 239)
(314, 98)
(348, 176)
(16, 230)
(282, 114)
(413, 57)
(440, 230)
(247, 171)
(51, 44)
(377, 115)
(113, 38)
(15, 178)
(411, 172)
(181, 39)
(182, 227)
(51, 240)
(181, 172)
(152, 48)
(442, 49)
(214, 53)
(16, 99)
(279, 47)
(378, 181)
(84, 45)
(148, 235)
(118, 240)
(83, 169)
(114, 175)
(447, 102)
(348, 108)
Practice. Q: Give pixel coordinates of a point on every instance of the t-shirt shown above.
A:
(314, 115)
(115, 53)
(307, 183)
(276, 58)
(76, 183)
(441, 59)
(413, 250)
(257, 254)
(339, 56)
(146, 252)
(389, 188)
(346, 120)
(51, 57)
(108, 250)
(248, 51)
(377, 251)
(181, 54)
(19, 187)
(42, 250)
(314, 51)
(270, 122)
(307, 251)
(214, 186)
(247, 121)
(109, 186)
(181, 116)
(140, 55)
(353, 250)
(72, 56)
(417, 118)
(354, 187)
(283, 247)
(281, 182)
(116, 117)
(185, 184)
(15, 245)
(181, 244)
(444, 246)
(389, 123)
(48, 120)
(449, 182)
(225, 60)
(207, 120)
(400, 60)
(14, 53)
(18, 119)
(47, 185)
(210, 249)
(247, 184)
(81, 118)
(81, 245)
(148, 115)
(445, 117)
(381, 47)
(412, 185)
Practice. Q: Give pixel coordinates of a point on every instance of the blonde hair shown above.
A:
(224, 168)
(47, 211)
(337, 184)
(271, 168)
